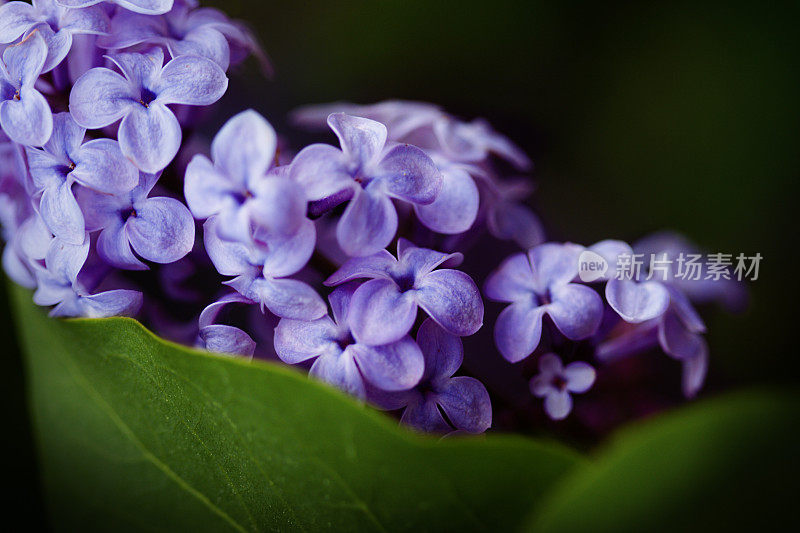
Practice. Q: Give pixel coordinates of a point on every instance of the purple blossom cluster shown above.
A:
(345, 259)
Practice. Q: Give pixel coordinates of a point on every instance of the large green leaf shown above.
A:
(725, 464)
(138, 433)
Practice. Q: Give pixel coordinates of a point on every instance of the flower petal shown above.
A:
(456, 206)
(391, 367)
(245, 147)
(576, 310)
(223, 339)
(321, 170)
(518, 331)
(203, 41)
(300, 340)
(466, 403)
(27, 121)
(150, 137)
(377, 265)
(694, 372)
(679, 341)
(119, 302)
(425, 416)
(100, 165)
(380, 314)
(24, 60)
(191, 80)
(554, 264)
(162, 230)
(558, 405)
(637, 302)
(453, 300)
(516, 222)
(289, 298)
(61, 213)
(368, 224)
(407, 173)
(511, 281)
(229, 258)
(339, 369)
(579, 376)
(207, 190)
(361, 139)
(15, 19)
(115, 249)
(287, 255)
(443, 351)
(101, 97)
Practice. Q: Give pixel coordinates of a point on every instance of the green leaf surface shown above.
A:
(727, 464)
(137, 433)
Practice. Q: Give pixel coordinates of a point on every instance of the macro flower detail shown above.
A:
(556, 383)
(343, 361)
(25, 115)
(538, 283)
(384, 309)
(149, 133)
(148, 7)
(159, 229)
(369, 175)
(55, 23)
(463, 399)
(221, 338)
(58, 285)
(66, 160)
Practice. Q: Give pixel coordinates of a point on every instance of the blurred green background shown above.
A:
(679, 115)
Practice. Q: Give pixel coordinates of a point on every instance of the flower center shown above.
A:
(345, 341)
(405, 282)
(559, 383)
(147, 97)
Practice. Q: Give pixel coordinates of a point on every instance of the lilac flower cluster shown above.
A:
(102, 183)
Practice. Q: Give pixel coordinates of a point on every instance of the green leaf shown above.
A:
(725, 464)
(137, 433)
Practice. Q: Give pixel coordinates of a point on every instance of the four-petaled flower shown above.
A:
(149, 133)
(55, 23)
(384, 309)
(66, 160)
(343, 361)
(367, 175)
(25, 115)
(555, 382)
(159, 229)
(463, 399)
(539, 283)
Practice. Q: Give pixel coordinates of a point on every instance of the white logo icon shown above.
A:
(591, 266)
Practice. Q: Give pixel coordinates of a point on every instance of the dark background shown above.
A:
(680, 115)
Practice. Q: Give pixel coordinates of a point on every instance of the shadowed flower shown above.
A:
(463, 399)
(341, 360)
(556, 382)
(384, 309)
(149, 133)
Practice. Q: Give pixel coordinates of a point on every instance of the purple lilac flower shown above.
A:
(384, 309)
(24, 114)
(237, 186)
(507, 217)
(58, 285)
(220, 338)
(149, 133)
(148, 7)
(369, 176)
(537, 283)
(66, 160)
(343, 361)
(463, 399)
(555, 382)
(55, 23)
(159, 229)
(260, 273)
(474, 141)
(183, 31)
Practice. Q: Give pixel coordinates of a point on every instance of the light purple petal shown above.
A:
(100, 165)
(339, 369)
(209, 314)
(550, 365)
(92, 20)
(686, 311)
(287, 255)
(148, 7)
(391, 367)
(278, 207)
(340, 300)
(207, 190)
(227, 340)
(611, 250)
(300, 340)
(637, 302)
(65, 260)
(516, 222)
(115, 249)
(541, 385)
(558, 405)
(512, 281)
(633, 340)
(61, 213)
(577, 310)
(453, 300)
(150, 137)
(289, 298)
(378, 265)
(518, 331)
(361, 139)
(321, 170)
(15, 19)
(229, 258)
(421, 261)
(24, 60)
(425, 416)
(120, 302)
(101, 97)
(456, 206)
(368, 224)
(203, 41)
(380, 314)
(466, 403)
(128, 29)
(694, 373)
(191, 80)
(66, 139)
(679, 341)
(554, 264)
(443, 351)
(407, 173)
(579, 376)
(245, 147)
(162, 230)
(27, 121)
